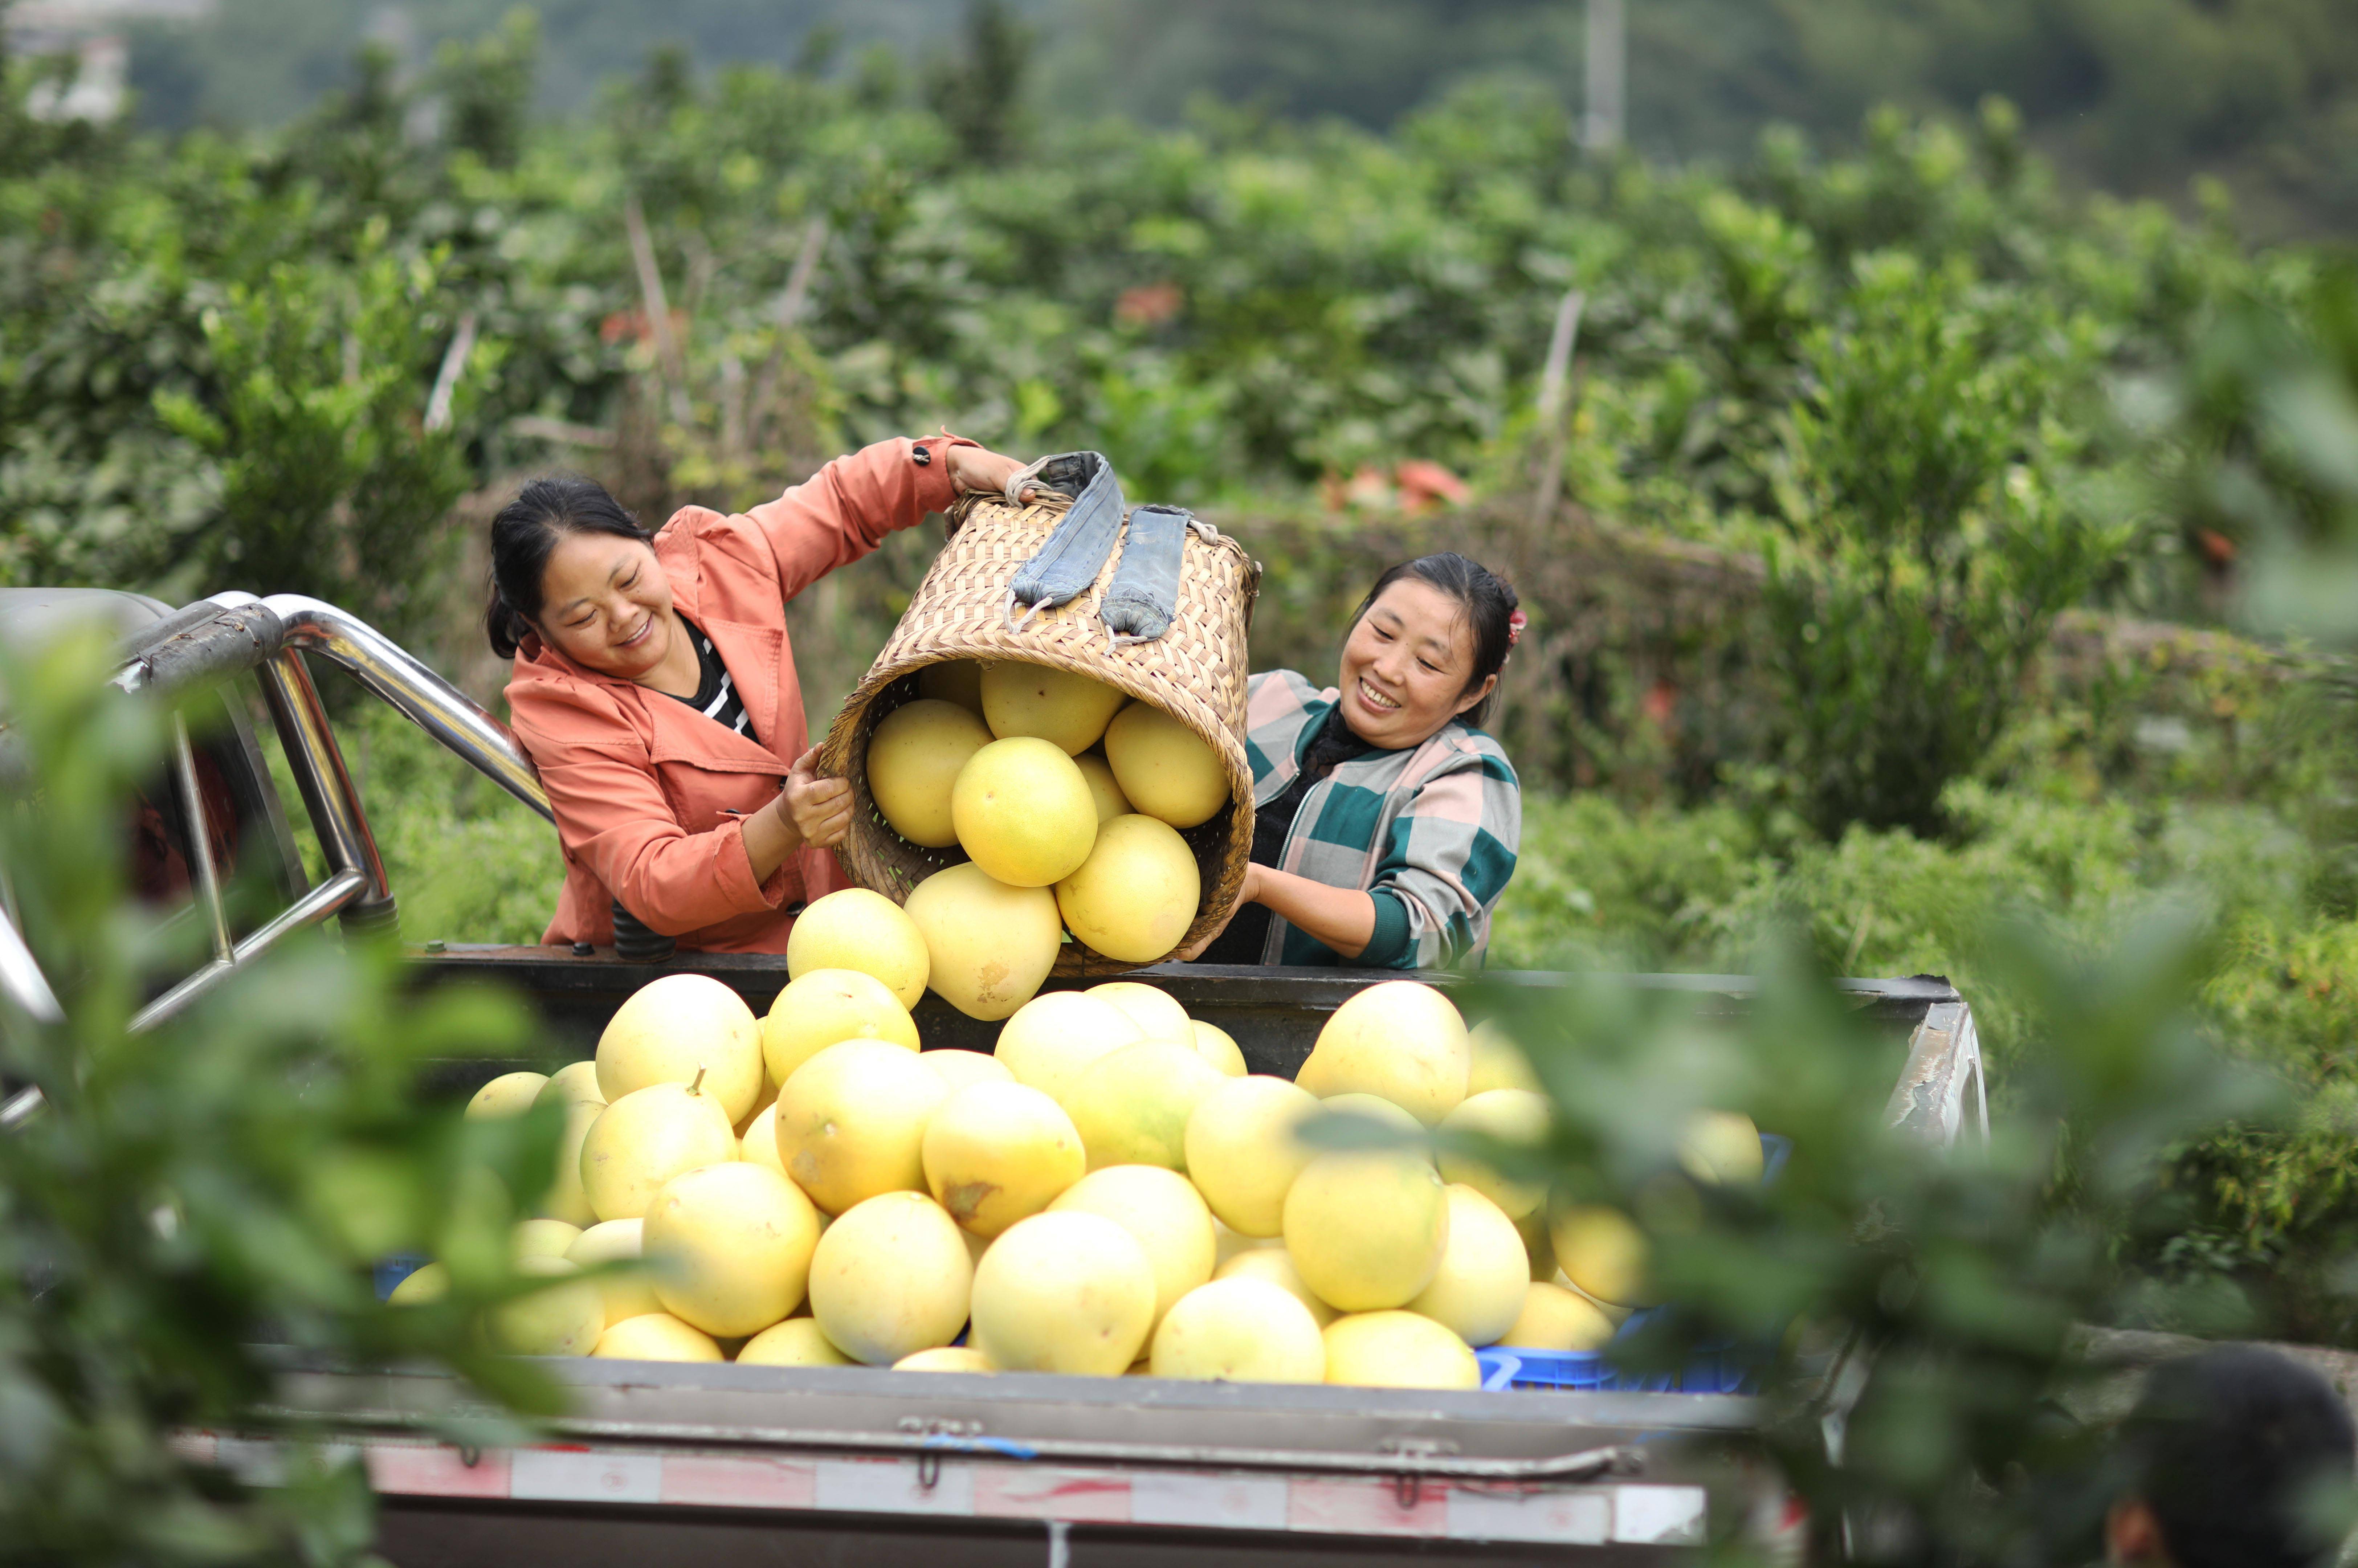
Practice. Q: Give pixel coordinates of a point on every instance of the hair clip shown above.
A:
(1515, 622)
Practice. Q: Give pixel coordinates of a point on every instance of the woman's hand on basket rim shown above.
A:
(820, 807)
(980, 469)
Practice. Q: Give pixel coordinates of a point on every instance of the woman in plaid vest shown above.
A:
(1387, 823)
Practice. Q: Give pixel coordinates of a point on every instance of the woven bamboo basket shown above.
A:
(1196, 672)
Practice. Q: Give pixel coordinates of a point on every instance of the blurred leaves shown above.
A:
(1912, 1302)
(222, 1182)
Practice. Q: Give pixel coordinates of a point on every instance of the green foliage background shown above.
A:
(217, 353)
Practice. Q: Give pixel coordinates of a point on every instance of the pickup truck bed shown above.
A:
(791, 1466)
(723, 1465)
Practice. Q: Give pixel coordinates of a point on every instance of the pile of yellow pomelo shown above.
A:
(1067, 798)
(1109, 1191)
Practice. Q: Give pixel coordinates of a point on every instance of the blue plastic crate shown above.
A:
(1722, 1369)
(1716, 1369)
(1515, 1367)
(391, 1272)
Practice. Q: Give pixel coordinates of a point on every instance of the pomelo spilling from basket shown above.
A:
(1100, 833)
(1047, 758)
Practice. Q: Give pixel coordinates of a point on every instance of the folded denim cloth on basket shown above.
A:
(1144, 594)
(1062, 570)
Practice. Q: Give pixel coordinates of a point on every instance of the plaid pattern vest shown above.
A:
(1437, 828)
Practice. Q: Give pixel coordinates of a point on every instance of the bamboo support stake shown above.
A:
(1553, 378)
(657, 307)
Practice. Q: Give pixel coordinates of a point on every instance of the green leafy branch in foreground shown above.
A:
(1912, 1307)
(221, 1180)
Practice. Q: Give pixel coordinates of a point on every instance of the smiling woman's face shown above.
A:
(605, 604)
(1405, 667)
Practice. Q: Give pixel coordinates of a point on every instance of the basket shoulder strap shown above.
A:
(1064, 566)
(1144, 594)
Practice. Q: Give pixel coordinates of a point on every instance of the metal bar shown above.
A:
(317, 764)
(321, 902)
(22, 981)
(19, 1108)
(210, 640)
(414, 691)
(1584, 1464)
(198, 828)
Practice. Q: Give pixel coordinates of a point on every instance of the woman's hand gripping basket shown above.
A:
(993, 594)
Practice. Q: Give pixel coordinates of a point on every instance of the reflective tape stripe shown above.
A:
(1626, 1513)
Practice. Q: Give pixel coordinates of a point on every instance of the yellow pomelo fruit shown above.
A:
(1498, 1063)
(1616, 1316)
(567, 1199)
(1390, 1124)
(1239, 1331)
(510, 1094)
(1274, 1266)
(1158, 1017)
(564, 1316)
(655, 1336)
(1402, 1040)
(890, 1276)
(913, 757)
(826, 1006)
(989, 945)
(1602, 1251)
(945, 1358)
(769, 1098)
(675, 1027)
(543, 1238)
(1065, 1291)
(1721, 1148)
(1164, 768)
(953, 680)
(1484, 1275)
(962, 1069)
(574, 1082)
(851, 1122)
(1053, 1037)
(1218, 1046)
(1162, 1212)
(430, 1283)
(1053, 704)
(1515, 1116)
(1533, 1229)
(855, 929)
(1104, 793)
(1023, 810)
(1367, 1228)
(996, 1152)
(732, 1247)
(1133, 1105)
(1398, 1350)
(1227, 1243)
(646, 1138)
(630, 1294)
(1242, 1152)
(758, 1145)
(1555, 1318)
(797, 1342)
(1136, 895)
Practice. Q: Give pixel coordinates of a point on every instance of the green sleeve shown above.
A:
(1388, 947)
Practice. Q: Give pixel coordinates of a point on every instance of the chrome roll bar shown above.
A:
(231, 633)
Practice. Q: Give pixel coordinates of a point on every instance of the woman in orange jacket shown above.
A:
(655, 689)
